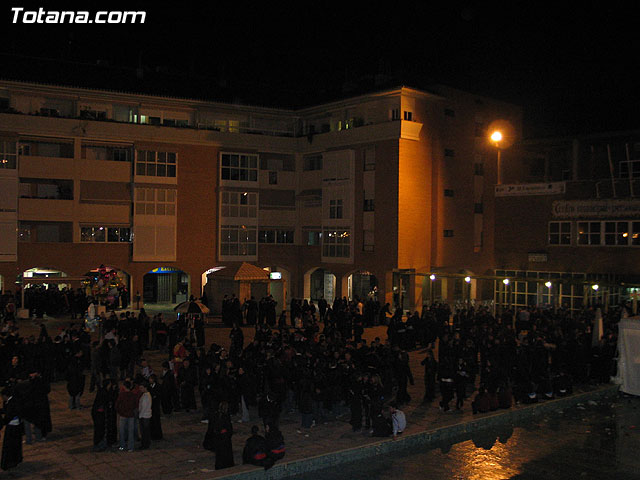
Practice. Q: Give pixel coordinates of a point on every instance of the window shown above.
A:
(335, 208)
(24, 232)
(273, 178)
(449, 112)
(478, 169)
(635, 233)
(117, 154)
(313, 237)
(589, 233)
(46, 149)
(275, 236)
(277, 164)
(336, 242)
(237, 240)
(616, 233)
(369, 204)
(240, 167)
(395, 114)
(368, 243)
(101, 234)
(448, 192)
(239, 204)
(448, 233)
(172, 122)
(155, 201)
(156, 164)
(4, 103)
(559, 233)
(312, 162)
(369, 159)
(8, 154)
(408, 116)
(449, 152)
(88, 113)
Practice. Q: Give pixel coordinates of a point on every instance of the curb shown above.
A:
(333, 459)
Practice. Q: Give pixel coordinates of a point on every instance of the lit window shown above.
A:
(336, 242)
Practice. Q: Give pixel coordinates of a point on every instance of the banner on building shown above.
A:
(552, 188)
(596, 209)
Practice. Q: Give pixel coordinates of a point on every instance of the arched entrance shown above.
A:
(279, 286)
(319, 283)
(168, 285)
(362, 285)
(109, 286)
(43, 291)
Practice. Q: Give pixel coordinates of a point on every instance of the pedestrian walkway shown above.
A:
(67, 452)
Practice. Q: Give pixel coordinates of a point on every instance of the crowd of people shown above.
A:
(313, 363)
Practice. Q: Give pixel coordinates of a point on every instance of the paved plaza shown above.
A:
(67, 454)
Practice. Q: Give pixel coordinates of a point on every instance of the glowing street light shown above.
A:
(432, 277)
(547, 284)
(496, 138)
(467, 279)
(595, 287)
(505, 281)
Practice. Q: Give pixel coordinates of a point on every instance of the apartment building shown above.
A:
(369, 195)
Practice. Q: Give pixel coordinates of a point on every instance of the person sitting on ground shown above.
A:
(255, 450)
(398, 420)
(381, 426)
(275, 443)
(481, 404)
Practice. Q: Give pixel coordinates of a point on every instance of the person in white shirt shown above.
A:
(144, 414)
(398, 420)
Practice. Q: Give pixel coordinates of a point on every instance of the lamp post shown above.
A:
(496, 138)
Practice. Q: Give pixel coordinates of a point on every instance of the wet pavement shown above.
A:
(595, 440)
(67, 452)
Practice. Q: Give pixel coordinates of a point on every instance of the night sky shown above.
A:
(571, 67)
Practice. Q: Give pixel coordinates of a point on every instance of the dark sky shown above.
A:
(571, 66)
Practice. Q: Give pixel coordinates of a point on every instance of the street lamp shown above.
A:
(496, 138)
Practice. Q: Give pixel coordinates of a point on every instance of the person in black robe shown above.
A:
(75, 381)
(222, 432)
(381, 425)
(168, 390)
(430, 371)
(156, 408)
(35, 405)
(187, 380)
(256, 450)
(99, 417)
(111, 416)
(12, 421)
(275, 443)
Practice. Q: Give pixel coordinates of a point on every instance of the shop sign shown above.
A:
(275, 275)
(523, 189)
(596, 208)
(537, 257)
(165, 270)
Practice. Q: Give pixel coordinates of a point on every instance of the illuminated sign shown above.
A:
(275, 275)
(165, 270)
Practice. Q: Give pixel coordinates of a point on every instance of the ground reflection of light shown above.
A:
(501, 461)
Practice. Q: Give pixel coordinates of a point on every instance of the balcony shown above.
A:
(45, 209)
(45, 167)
